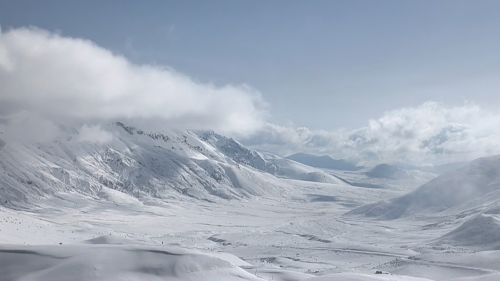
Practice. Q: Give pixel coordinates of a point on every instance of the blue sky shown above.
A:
(321, 64)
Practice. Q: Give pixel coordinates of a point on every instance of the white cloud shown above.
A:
(25, 127)
(56, 76)
(94, 134)
(429, 133)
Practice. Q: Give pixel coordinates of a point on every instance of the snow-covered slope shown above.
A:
(290, 169)
(472, 188)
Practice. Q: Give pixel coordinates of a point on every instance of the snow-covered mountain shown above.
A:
(167, 164)
(472, 188)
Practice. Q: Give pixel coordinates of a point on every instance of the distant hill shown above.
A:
(481, 231)
(323, 161)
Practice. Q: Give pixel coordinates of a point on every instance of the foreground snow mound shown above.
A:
(110, 263)
(474, 187)
(365, 277)
(481, 231)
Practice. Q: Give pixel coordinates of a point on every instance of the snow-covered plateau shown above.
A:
(184, 205)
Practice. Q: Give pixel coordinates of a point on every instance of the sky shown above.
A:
(320, 64)
(320, 76)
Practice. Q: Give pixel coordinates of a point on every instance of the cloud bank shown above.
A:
(431, 133)
(68, 78)
(94, 134)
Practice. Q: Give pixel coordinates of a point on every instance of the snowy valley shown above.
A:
(196, 205)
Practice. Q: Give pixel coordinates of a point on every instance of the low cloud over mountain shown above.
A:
(62, 77)
(51, 76)
(429, 133)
